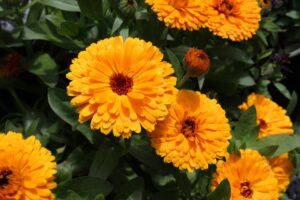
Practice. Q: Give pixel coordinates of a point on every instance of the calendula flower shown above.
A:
(9, 65)
(180, 14)
(194, 134)
(265, 3)
(236, 20)
(196, 62)
(271, 118)
(250, 176)
(121, 86)
(26, 169)
(282, 168)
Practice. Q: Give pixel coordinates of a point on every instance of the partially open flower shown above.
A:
(264, 3)
(196, 62)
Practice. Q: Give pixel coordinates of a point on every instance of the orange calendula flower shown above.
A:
(121, 86)
(194, 134)
(196, 62)
(26, 169)
(9, 65)
(180, 14)
(271, 118)
(282, 168)
(250, 176)
(236, 20)
(265, 3)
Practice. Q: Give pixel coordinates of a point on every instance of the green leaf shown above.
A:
(292, 104)
(71, 195)
(60, 104)
(46, 69)
(233, 53)
(285, 143)
(246, 128)
(116, 25)
(86, 187)
(91, 8)
(179, 71)
(293, 14)
(105, 160)
(66, 5)
(131, 190)
(222, 192)
(283, 90)
(246, 81)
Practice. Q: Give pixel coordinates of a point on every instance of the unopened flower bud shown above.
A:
(196, 62)
(128, 7)
(9, 64)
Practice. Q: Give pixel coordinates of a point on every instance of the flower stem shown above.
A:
(184, 79)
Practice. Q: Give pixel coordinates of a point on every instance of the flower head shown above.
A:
(26, 169)
(121, 86)
(282, 168)
(10, 64)
(180, 14)
(250, 176)
(233, 19)
(194, 134)
(197, 62)
(271, 118)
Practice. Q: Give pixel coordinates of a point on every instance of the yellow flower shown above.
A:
(271, 118)
(194, 134)
(180, 14)
(233, 19)
(250, 176)
(10, 65)
(26, 169)
(265, 3)
(121, 86)
(282, 168)
(197, 62)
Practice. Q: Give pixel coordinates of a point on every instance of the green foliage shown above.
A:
(48, 34)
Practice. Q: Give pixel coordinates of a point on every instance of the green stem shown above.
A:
(184, 79)
(19, 103)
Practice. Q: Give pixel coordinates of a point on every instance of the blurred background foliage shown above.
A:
(42, 36)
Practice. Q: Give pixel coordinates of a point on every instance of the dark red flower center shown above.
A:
(120, 84)
(263, 124)
(245, 190)
(225, 7)
(4, 177)
(188, 127)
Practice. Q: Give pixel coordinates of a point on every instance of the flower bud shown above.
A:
(196, 62)
(9, 64)
(265, 4)
(128, 7)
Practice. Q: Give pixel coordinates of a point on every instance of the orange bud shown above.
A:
(196, 62)
(10, 65)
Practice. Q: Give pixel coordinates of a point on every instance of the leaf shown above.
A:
(233, 53)
(66, 5)
(105, 160)
(222, 192)
(179, 72)
(60, 104)
(201, 80)
(268, 151)
(293, 14)
(246, 80)
(285, 143)
(46, 69)
(131, 190)
(86, 187)
(292, 104)
(246, 128)
(91, 8)
(71, 195)
(283, 90)
(116, 25)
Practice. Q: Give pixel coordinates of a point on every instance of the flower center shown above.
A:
(120, 84)
(245, 190)
(4, 177)
(262, 124)
(179, 3)
(225, 7)
(202, 56)
(188, 127)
